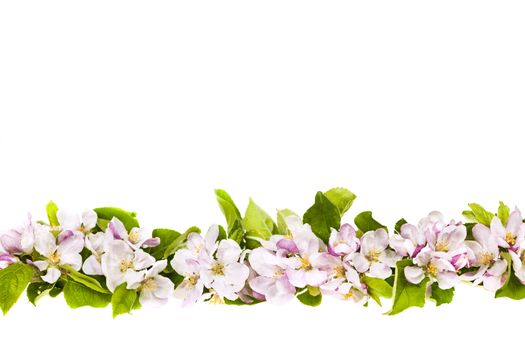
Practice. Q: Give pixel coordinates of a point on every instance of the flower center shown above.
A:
(278, 273)
(442, 246)
(486, 258)
(125, 265)
(510, 239)
(193, 280)
(373, 255)
(216, 299)
(218, 269)
(432, 269)
(149, 285)
(134, 236)
(54, 258)
(339, 271)
(348, 295)
(305, 264)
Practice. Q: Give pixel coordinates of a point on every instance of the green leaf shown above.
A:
(77, 295)
(52, 210)
(37, 290)
(365, 222)
(232, 215)
(179, 242)
(322, 217)
(469, 215)
(405, 293)
(378, 288)
(441, 296)
(310, 297)
(503, 213)
(123, 300)
(398, 225)
(481, 215)
(282, 227)
(341, 198)
(167, 236)
(258, 224)
(107, 213)
(86, 281)
(512, 288)
(13, 281)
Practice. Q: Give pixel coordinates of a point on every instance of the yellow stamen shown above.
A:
(510, 239)
(149, 285)
(54, 258)
(432, 269)
(486, 258)
(134, 236)
(305, 264)
(125, 265)
(373, 255)
(348, 295)
(216, 299)
(193, 279)
(442, 246)
(278, 273)
(339, 271)
(218, 269)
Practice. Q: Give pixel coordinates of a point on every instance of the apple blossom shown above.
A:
(344, 241)
(512, 235)
(221, 270)
(96, 244)
(434, 267)
(120, 263)
(374, 258)
(154, 288)
(409, 241)
(66, 252)
(271, 280)
(137, 237)
(22, 240)
(81, 224)
(485, 254)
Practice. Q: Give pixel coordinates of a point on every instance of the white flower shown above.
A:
(222, 271)
(343, 280)
(486, 256)
(305, 266)
(80, 224)
(344, 241)
(96, 244)
(272, 281)
(186, 263)
(136, 238)
(122, 264)
(409, 242)
(374, 258)
(22, 240)
(512, 235)
(349, 291)
(518, 263)
(436, 268)
(66, 252)
(154, 288)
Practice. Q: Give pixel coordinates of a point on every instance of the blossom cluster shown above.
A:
(102, 255)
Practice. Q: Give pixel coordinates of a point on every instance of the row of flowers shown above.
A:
(105, 257)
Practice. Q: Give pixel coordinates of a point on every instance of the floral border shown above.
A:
(103, 256)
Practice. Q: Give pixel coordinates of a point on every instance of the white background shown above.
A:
(413, 105)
